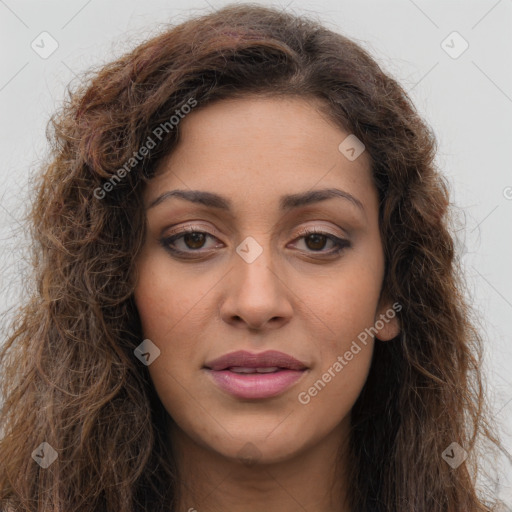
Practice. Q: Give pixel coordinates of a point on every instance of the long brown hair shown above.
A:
(69, 374)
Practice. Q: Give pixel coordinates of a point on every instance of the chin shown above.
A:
(254, 451)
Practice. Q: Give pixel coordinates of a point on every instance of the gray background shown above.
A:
(466, 98)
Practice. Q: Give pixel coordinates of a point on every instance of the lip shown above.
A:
(255, 385)
(247, 359)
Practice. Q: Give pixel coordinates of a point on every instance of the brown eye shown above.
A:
(194, 240)
(317, 240)
(188, 241)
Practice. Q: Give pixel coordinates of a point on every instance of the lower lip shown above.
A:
(255, 385)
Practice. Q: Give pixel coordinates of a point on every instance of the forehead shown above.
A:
(258, 149)
(287, 127)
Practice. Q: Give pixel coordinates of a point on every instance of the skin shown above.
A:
(290, 298)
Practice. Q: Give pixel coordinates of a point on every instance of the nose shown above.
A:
(256, 295)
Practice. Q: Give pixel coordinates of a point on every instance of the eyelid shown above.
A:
(194, 227)
(213, 231)
(210, 230)
(322, 229)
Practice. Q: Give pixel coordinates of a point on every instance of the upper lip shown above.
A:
(245, 359)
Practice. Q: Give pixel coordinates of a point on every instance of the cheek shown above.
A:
(165, 297)
(327, 399)
(344, 304)
(340, 328)
(344, 351)
(174, 311)
(164, 301)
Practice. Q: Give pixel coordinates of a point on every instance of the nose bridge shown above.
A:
(255, 267)
(256, 293)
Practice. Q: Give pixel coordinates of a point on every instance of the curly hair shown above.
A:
(69, 376)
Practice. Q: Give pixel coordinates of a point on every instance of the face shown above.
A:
(254, 262)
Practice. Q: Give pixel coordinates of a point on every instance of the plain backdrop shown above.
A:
(453, 57)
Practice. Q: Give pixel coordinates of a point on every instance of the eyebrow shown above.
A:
(286, 203)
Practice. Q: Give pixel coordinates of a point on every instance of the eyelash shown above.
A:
(339, 243)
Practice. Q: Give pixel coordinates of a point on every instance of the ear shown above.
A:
(386, 321)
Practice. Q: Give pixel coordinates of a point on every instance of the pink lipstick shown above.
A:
(255, 376)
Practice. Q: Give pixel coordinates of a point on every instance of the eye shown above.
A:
(315, 241)
(192, 239)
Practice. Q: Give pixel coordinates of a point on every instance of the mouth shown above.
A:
(246, 370)
(255, 376)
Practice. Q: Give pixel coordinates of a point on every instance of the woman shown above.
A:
(246, 293)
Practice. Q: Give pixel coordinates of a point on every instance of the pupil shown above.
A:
(316, 238)
(197, 238)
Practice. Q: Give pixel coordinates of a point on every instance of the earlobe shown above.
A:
(390, 330)
(387, 323)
